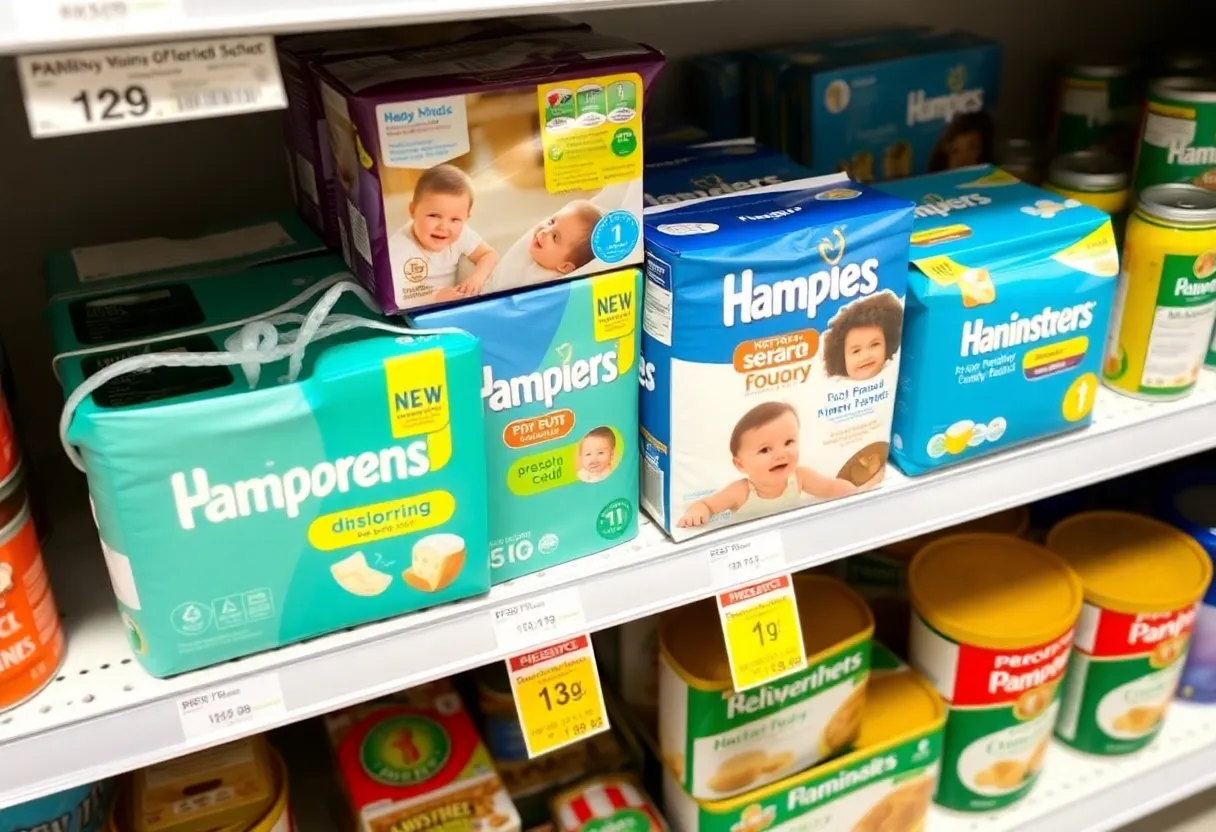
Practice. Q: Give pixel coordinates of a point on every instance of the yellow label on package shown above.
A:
(557, 695)
(763, 635)
(417, 393)
(591, 131)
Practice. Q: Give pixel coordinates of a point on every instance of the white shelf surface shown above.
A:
(105, 715)
(37, 25)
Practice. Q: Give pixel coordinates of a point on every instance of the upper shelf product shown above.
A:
(490, 166)
(771, 349)
(680, 173)
(1009, 296)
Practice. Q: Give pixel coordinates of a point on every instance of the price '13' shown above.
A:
(110, 104)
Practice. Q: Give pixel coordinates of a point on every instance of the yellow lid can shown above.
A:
(994, 591)
(1130, 563)
(1011, 521)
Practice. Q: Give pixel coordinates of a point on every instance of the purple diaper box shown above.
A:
(486, 167)
(308, 153)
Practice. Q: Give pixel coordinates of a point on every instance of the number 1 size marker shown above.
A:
(762, 630)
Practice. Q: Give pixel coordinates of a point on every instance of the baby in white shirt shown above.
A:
(555, 246)
(426, 253)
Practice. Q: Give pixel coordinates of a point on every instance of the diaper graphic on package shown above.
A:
(321, 469)
(770, 349)
(1009, 297)
(715, 170)
(560, 388)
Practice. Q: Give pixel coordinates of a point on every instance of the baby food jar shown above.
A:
(1143, 582)
(992, 627)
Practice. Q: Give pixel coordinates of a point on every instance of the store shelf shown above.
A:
(105, 715)
(38, 26)
(1083, 793)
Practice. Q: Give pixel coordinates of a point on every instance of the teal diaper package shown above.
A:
(268, 460)
(560, 388)
(1010, 291)
(220, 249)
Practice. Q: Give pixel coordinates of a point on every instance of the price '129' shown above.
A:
(111, 104)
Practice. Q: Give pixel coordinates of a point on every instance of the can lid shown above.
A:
(1101, 66)
(994, 591)
(1012, 521)
(1088, 170)
(690, 638)
(1196, 88)
(1131, 563)
(1179, 203)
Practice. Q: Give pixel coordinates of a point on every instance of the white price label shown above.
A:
(234, 708)
(109, 89)
(744, 560)
(539, 619)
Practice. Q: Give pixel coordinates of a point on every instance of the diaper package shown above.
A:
(308, 150)
(1009, 297)
(922, 107)
(222, 249)
(690, 172)
(771, 337)
(491, 166)
(560, 388)
(268, 460)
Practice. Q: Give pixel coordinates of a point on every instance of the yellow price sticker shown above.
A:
(557, 695)
(762, 630)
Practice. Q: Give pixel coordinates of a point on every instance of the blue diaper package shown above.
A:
(713, 170)
(771, 340)
(268, 460)
(1009, 296)
(925, 110)
(80, 809)
(220, 249)
(560, 387)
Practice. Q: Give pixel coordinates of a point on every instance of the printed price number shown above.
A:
(762, 630)
(109, 103)
(536, 626)
(557, 694)
(248, 704)
(228, 714)
(538, 620)
(742, 560)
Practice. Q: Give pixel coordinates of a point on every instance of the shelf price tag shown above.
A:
(762, 630)
(130, 86)
(57, 20)
(235, 708)
(557, 694)
(538, 620)
(731, 564)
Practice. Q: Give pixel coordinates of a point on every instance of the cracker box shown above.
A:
(491, 166)
(309, 153)
(221, 249)
(420, 765)
(1009, 296)
(559, 383)
(692, 172)
(771, 332)
(253, 485)
(889, 118)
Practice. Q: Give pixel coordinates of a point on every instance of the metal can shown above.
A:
(1189, 505)
(1099, 102)
(1094, 177)
(1143, 581)
(500, 722)
(10, 453)
(31, 640)
(1023, 158)
(1178, 136)
(1165, 306)
(1185, 61)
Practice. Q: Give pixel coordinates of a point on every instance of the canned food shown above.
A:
(1185, 61)
(1165, 306)
(993, 623)
(500, 724)
(1098, 105)
(10, 453)
(1094, 177)
(1143, 581)
(31, 640)
(1023, 158)
(719, 742)
(1190, 506)
(1178, 139)
(82, 809)
(607, 802)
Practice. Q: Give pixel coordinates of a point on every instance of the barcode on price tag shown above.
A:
(130, 86)
(539, 619)
(731, 564)
(763, 632)
(231, 709)
(557, 694)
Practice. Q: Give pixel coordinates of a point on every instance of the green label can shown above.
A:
(1097, 109)
(1178, 138)
(1121, 677)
